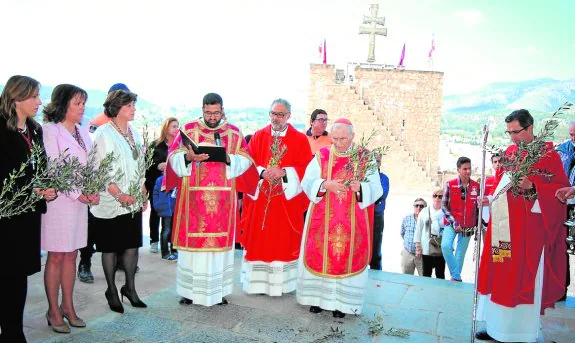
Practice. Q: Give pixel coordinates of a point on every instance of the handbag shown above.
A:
(434, 240)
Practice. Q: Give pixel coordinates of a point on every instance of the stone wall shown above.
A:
(404, 105)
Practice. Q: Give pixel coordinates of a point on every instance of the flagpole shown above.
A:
(479, 232)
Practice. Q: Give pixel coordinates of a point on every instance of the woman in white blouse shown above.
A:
(118, 231)
(429, 224)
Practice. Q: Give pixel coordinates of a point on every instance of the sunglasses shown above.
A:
(418, 206)
(439, 196)
(463, 193)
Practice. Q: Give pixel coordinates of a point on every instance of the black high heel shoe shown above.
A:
(138, 303)
(114, 307)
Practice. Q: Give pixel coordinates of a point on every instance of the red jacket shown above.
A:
(463, 211)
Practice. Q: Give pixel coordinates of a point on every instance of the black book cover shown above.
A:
(216, 153)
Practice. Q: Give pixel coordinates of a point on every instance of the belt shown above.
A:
(468, 231)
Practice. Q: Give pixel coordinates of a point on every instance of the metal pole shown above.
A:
(479, 233)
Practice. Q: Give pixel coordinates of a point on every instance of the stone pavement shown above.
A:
(431, 310)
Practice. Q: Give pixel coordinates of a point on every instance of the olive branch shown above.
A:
(361, 162)
(520, 163)
(278, 152)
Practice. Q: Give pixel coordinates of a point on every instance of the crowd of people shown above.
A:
(306, 221)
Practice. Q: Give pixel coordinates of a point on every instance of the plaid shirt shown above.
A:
(407, 232)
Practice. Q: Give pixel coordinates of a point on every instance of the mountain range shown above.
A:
(543, 95)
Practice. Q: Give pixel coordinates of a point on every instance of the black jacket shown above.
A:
(20, 235)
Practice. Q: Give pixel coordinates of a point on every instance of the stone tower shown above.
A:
(403, 105)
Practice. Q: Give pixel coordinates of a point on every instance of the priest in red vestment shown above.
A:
(206, 212)
(522, 270)
(337, 241)
(272, 218)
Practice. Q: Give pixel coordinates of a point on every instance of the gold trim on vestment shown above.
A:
(182, 198)
(352, 240)
(204, 249)
(324, 273)
(209, 188)
(209, 234)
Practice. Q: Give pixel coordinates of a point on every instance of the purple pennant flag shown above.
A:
(402, 56)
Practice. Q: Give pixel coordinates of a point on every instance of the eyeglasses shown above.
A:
(463, 193)
(516, 132)
(278, 114)
(212, 114)
(439, 196)
(418, 206)
(323, 120)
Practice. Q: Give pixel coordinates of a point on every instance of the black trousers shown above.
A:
(431, 262)
(12, 301)
(87, 252)
(377, 236)
(154, 224)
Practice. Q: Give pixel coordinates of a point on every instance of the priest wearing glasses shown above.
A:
(273, 216)
(206, 213)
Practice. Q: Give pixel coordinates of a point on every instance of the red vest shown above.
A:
(489, 185)
(464, 211)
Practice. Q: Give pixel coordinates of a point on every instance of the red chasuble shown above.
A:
(206, 205)
(512, 281)
(338, 239)
(275, 235)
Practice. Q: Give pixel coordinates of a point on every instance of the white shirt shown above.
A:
(107, 139)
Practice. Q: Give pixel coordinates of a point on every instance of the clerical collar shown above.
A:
(281, 133)
(315, 137)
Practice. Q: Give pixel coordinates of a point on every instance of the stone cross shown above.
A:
(372, 30)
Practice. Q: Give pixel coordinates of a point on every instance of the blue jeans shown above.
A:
(454, 262)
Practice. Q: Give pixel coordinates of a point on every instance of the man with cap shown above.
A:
(102, 118)
(336, 248)
(84, 267)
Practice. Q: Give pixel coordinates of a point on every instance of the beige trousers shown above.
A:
(409, 262)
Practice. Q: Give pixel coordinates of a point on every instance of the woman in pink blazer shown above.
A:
(65, 224)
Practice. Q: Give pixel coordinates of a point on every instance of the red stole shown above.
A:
(279, 237)
(338, 239)
(512, 281)
(206, 205)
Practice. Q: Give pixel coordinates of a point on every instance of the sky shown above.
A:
(172, 52)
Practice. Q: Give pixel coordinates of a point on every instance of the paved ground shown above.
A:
(430, 310)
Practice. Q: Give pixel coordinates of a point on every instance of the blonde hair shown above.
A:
(164, 130)
(437, 190)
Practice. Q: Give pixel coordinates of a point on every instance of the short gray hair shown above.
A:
(572, 123)
(281, 102)
(336, 126)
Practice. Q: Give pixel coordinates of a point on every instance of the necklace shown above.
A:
(78, 138)
(129, 139)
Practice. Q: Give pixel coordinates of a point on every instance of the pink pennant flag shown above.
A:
(430, 56)
(402, 56)
(324, 52)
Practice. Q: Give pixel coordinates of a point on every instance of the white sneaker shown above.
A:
(154, 247)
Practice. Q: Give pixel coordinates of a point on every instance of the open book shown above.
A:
(216, 153)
